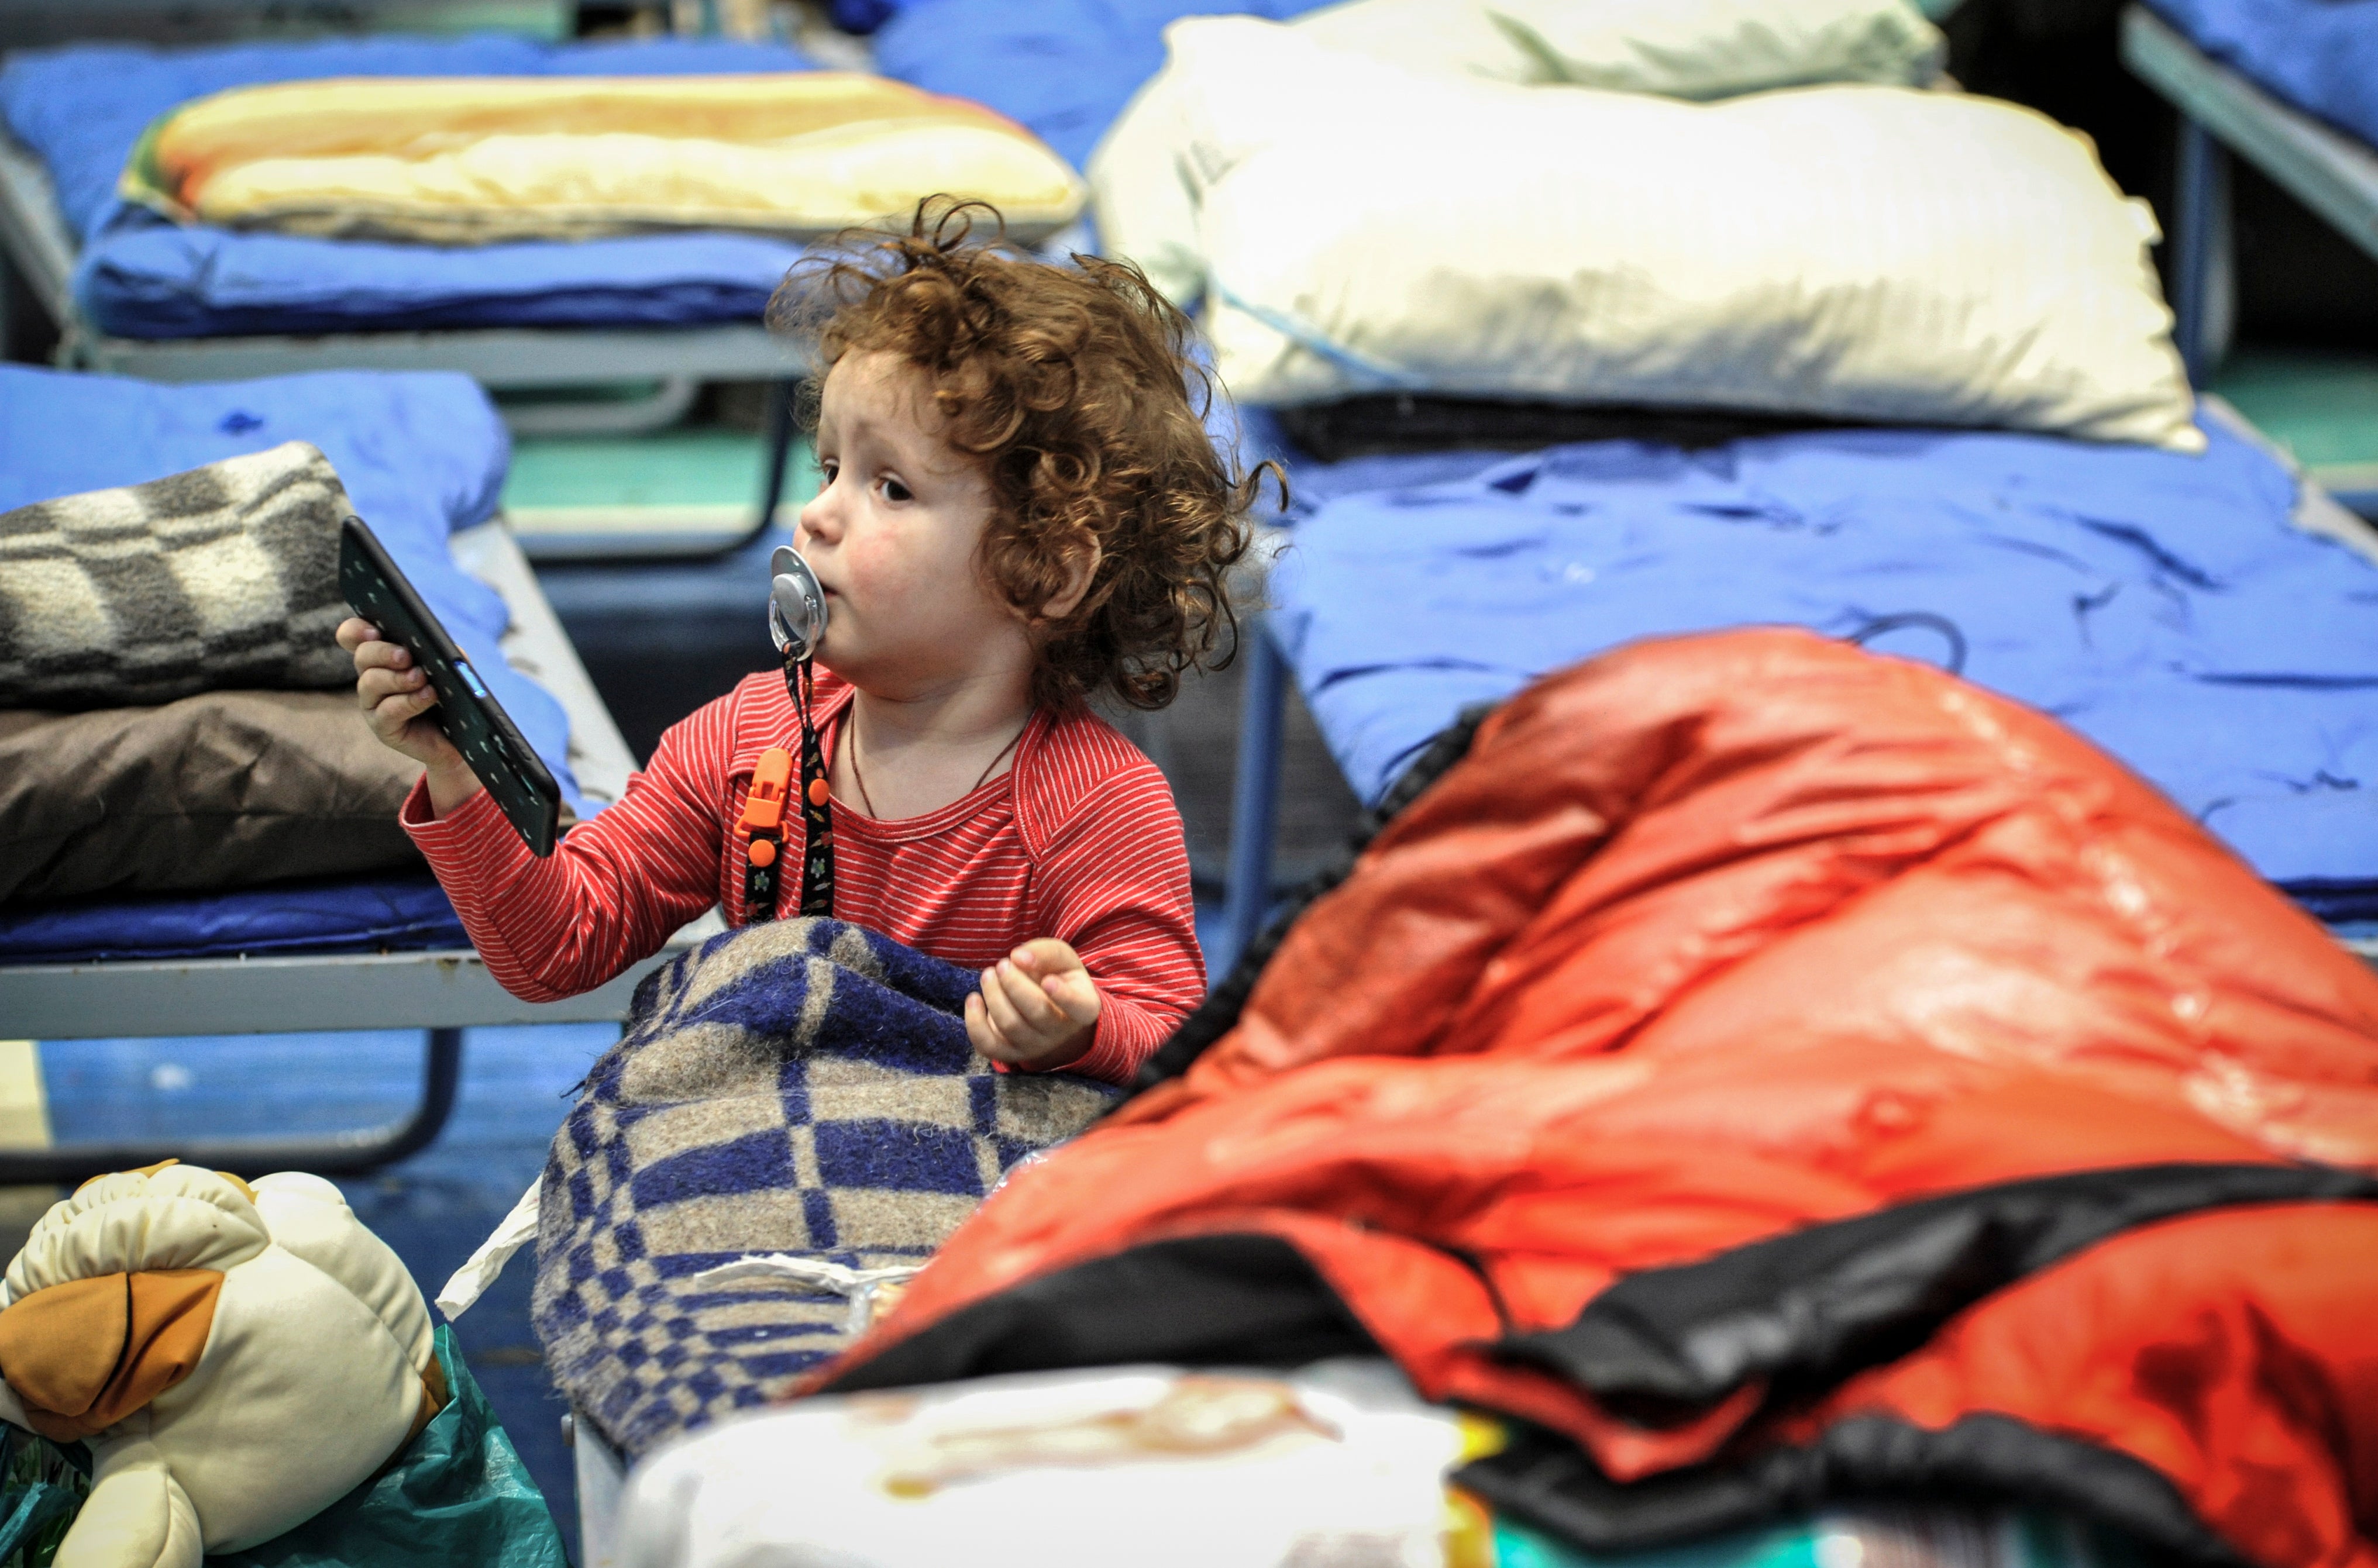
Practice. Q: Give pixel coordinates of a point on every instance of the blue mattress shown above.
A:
(1062, 68)
(385, 915)
(421, 454)
(83, 108)
(2320, 56)
(2163, 605)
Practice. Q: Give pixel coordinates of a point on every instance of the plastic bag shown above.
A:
(458, 1495)
(42, 1489)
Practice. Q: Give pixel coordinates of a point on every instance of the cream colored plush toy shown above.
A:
(238, 1356)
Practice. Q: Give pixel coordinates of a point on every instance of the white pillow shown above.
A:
(1680, 48)
(1683, 48)
(1860, 253)
(1141, 194)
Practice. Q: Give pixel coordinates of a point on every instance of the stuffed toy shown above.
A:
(238, 1356)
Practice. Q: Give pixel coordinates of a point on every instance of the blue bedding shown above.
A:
(860, 15)
(83, 108)
(421, 454)
(385, 915)
(1062, 68)
(2163, 605)
(2320, 56)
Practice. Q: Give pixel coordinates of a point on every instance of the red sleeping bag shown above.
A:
(1772, 1073)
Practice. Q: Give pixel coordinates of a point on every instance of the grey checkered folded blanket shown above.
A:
(220, 578)
(802, 1088)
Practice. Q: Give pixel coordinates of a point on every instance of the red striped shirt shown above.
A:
(1080, 840)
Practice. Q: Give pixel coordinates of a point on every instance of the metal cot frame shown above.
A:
(36, 243)
(441, 992)
(2222, 112)
(1255, 797)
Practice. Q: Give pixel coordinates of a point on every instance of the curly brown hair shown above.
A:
(1075, 388)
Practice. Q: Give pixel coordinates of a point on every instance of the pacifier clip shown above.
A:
(761, 825)
(797, 619)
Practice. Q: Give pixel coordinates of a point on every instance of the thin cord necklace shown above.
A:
(859, 778)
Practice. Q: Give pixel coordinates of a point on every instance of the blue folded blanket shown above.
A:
(1062, 68)
(2320, 56)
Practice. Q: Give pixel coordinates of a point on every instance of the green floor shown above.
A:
(2323, 407)
(692, 478)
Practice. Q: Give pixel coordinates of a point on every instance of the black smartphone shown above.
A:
(469, 714)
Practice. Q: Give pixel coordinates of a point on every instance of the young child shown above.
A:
(1021, 508)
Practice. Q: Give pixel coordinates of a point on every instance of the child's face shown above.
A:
(892, 538)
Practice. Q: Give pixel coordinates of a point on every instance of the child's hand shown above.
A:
(1038, 1007)
(396, 699)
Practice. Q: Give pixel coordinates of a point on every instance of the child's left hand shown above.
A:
(1038, 1007)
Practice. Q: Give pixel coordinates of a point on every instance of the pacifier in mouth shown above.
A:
(796, 604)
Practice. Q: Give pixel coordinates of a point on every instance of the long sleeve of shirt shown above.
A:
(613, 889)
(1114, 881)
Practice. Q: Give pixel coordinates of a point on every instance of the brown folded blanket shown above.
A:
(219, 791)
(222, 579)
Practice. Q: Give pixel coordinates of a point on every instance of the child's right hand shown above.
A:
(396, 699)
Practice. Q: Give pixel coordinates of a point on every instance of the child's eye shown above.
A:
(894, 491)
(827, 469)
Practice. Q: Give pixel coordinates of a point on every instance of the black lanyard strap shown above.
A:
(761, 826)
(816, 797)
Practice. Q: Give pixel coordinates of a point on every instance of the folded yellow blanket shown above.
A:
(474, 160)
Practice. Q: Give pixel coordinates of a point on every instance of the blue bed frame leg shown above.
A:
(1254, 797)
(2198, 208)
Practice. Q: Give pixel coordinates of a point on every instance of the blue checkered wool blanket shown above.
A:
(800, 1087)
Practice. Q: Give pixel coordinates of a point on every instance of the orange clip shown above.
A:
(763, 808)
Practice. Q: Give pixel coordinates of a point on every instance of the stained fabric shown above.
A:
(2320, 56)
(1732, 952)
(82, 108)
(2165, 606)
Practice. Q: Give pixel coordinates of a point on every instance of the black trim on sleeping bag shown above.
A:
(1199, 1301)
(1219, 1013)
(1546, 1481)
(2339, 903)
(1806, 1308)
